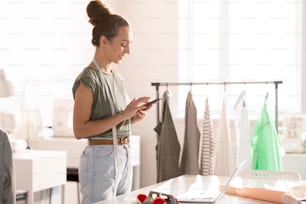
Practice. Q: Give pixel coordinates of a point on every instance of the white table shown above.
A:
(179, 185)
(37, 171)
(74, 149)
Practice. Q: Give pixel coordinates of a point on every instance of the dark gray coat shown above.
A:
(168, 146)
(7, 182)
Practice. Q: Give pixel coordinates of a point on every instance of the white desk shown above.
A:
(179, 185)
(38, 171)
(74, 149)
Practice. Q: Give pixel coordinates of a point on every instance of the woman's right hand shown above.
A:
(134, 106)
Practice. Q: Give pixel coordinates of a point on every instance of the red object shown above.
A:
(141, 197)
(158, 201)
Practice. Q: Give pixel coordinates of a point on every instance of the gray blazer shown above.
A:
(7, 182)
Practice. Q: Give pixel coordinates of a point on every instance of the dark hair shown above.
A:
(104, 22)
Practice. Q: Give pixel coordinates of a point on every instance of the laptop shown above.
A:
(209, 198)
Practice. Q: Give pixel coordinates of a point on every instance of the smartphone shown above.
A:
(151, 102)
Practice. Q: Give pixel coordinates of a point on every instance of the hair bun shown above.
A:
(96, 11)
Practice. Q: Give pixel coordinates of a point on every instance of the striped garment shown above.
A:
(208, 144)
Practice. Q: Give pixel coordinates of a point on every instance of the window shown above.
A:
(241, 40)
(43, 46)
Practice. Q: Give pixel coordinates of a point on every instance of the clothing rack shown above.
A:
(276, 83)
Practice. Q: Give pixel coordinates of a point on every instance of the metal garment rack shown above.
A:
(276, 83)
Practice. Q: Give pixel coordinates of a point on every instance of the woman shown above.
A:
(102, 111)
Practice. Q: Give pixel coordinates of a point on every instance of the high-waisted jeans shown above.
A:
(97, 172)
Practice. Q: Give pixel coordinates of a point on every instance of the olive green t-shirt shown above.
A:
(107, 89)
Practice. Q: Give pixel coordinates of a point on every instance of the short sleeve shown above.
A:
(89, 77)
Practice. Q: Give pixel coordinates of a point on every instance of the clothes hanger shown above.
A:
(224, 91)
(241, 99)
(267, 94)
(168, 92)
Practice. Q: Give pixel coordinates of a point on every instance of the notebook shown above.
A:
(208, 198)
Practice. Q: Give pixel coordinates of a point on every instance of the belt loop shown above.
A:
(123, 140)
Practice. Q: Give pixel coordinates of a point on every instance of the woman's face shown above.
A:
(119, 45)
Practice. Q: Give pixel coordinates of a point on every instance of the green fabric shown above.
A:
(265, 144)
(92, 78)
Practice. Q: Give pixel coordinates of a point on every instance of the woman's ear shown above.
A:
(103, 40)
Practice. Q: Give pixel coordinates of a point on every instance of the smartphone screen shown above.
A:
(151, 102)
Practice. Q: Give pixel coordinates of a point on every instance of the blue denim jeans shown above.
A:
(97, 172)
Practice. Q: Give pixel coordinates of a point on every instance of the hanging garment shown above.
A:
(7, 181)
(224, 165)
(208, 145)
(242, 133)
(190, 155)
(265, 144)
(168, 147)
